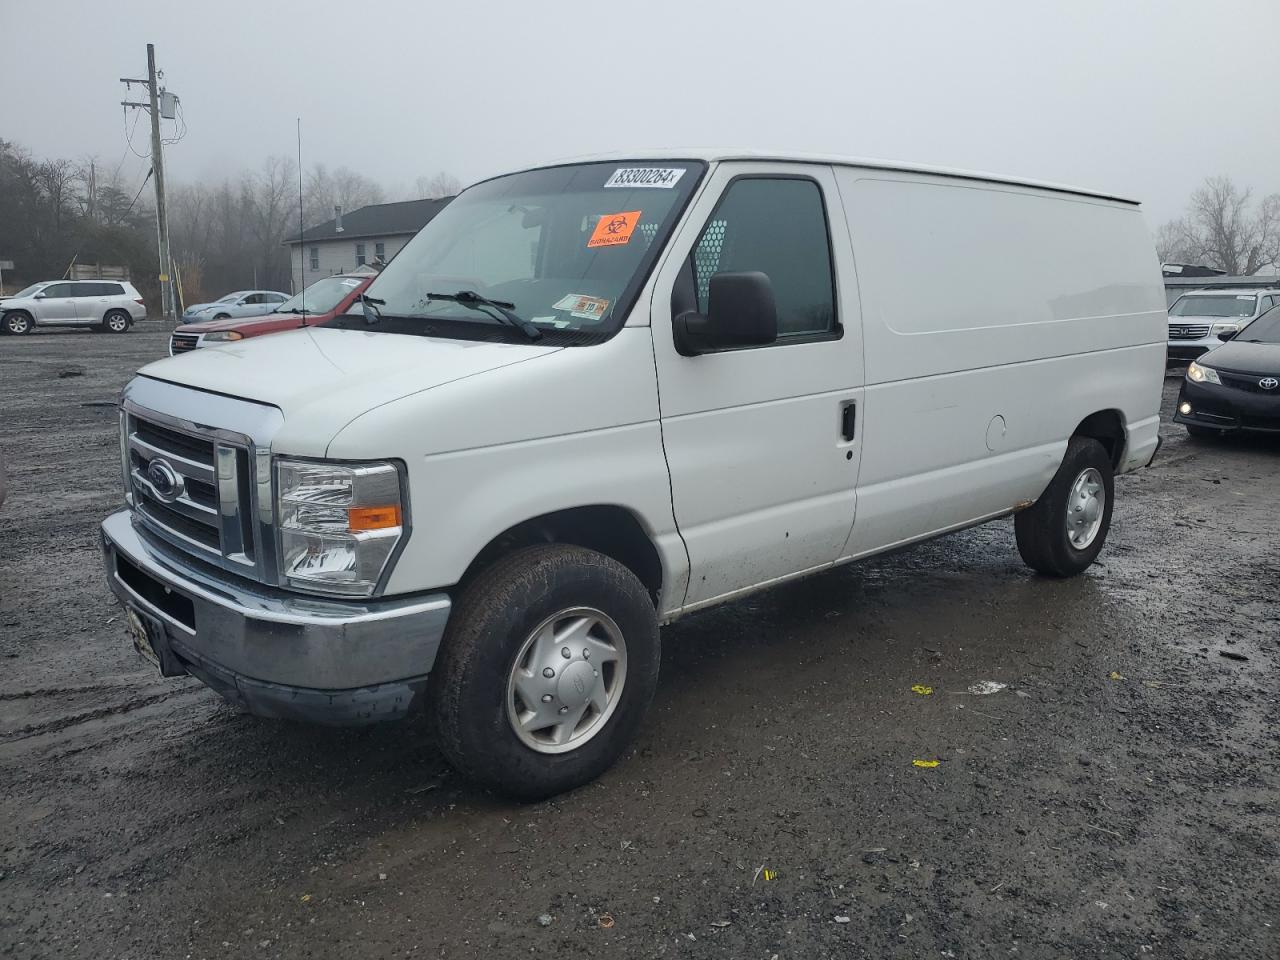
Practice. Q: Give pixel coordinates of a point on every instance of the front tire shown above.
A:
(1063, 533)
(548, 666)
(116, 321)
(18, 322)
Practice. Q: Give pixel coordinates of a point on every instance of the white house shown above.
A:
(353, 240)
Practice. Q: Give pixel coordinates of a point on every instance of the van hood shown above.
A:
(322, 378)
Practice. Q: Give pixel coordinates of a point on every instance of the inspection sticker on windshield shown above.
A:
(660, 177)
(588, 308)
(614, 229)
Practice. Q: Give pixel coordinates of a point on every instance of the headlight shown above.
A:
(1224, 328)
(222, 335)
(339, 524)
(1200, 374)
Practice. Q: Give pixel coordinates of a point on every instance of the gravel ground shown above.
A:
(1117, 799)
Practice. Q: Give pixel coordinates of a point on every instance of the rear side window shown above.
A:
(779, 227)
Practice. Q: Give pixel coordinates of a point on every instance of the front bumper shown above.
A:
(1227, 408)
(278, 654)
(1183, 351)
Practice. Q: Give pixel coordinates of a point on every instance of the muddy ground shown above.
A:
(1118, 799)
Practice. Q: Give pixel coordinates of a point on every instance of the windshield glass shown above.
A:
(229, 298)
(1241, 305)
(568, 247)
(27, 291)
(1266, 329)
(321, 297)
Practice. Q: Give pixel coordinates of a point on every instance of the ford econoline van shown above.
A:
(589, 399)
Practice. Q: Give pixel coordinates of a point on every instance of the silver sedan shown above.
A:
(242, 303)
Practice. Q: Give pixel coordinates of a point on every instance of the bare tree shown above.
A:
(437, 186)
(1176, 243)
(1222, 229)
(342, 187)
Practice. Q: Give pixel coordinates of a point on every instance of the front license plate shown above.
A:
(141, 637)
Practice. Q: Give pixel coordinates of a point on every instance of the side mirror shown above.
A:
(1224, 337)
(38, 296)
(741, 312)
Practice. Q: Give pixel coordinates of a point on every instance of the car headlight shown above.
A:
(339, 524)
(220, 336)
(1224, 328)
(1199, 374)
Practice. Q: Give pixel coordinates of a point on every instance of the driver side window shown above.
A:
(779, 227)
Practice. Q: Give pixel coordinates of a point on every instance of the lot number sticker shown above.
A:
(614, 229)
(663, 178)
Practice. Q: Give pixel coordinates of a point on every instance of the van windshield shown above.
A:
(568, 247)
(1237, 306)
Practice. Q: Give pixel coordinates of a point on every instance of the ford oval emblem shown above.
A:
(1269, 383)
(165, 481)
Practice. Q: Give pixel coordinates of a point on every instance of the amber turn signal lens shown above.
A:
(372, 518)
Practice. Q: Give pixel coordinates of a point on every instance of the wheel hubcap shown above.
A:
(116, 323)
(566, 680)
(1085, 506)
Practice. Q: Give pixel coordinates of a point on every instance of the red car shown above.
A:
(321, 301)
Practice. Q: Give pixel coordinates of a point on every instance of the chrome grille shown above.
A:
(1188, 331)
(182, 342)
(208, 512)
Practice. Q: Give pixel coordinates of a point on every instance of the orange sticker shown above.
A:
(614, 229)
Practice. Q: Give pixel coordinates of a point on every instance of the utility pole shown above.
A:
(157, 167)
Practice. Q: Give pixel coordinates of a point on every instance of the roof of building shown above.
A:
(713, 154)
(376, 220)
(1190, 270)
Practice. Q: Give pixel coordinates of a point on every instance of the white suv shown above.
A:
(1199, 316)
(110, 305)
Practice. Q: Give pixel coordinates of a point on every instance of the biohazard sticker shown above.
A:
(585, 308)
(614, 229)
(662, 178)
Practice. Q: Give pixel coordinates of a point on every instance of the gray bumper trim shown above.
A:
(261, 637)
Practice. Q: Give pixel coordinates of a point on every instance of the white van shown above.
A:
(591, 398)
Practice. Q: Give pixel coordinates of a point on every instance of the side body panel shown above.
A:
(997, 318)
(763, 482)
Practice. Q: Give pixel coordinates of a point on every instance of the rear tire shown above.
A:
(116, 321)
(17, 322)
(1063, 533)
(494, 686)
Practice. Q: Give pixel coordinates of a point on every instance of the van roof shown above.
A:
(714, 154)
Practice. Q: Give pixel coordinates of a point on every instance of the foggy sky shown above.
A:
(1143, 99)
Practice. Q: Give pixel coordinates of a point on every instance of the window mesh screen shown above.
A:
(706, 257)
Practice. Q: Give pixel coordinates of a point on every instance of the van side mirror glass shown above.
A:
(1224, 337)
(741, 312)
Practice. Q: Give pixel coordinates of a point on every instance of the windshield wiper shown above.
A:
(498, 309)
(369, 307)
